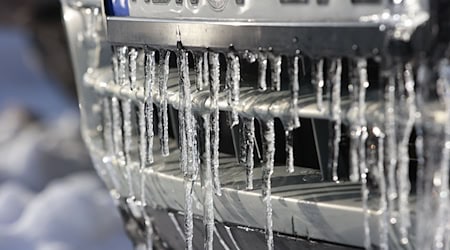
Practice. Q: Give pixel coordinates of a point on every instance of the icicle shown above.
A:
(234, 69)
(126, 112)
(289, 151)
(408, 116)
(188, 213)
(230, 235)
(181, 115)
(421, 218)
(163, 123)
(319, 84)
(107, 126)
(275, 68)
(391, 149)
(133, 54)
(177, 225)
(269, 158)
(335, 109)
(208, 211)
(146, 111)
(383, 220)
(221, 241)
(214, 95)
(354, 126)
(115, 110)
(262, 68)
(188, 152)
(363, 84)
(205, 69)
(199, 72)
(441, 176)
(247, 146)
(295, 121)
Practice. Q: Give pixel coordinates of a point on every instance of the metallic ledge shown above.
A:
(314, 39)
(255, 103)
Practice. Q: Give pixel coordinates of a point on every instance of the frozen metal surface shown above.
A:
(302, 204)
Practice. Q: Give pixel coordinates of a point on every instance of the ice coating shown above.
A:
(187, 133)
(234, 69)
(335, 109)
(407, 114)
(146, 111)
(205, 69)
(383, 219)
(214, 95)
(289, 134)
(391, 148)
(116, 113)
(163, 121)
(230, 235)
(247, 147)
(133, 55)
(126, 112)
(268, 165)
(363, 133)
(222, 242)
(208, 199)
(199, 72)
(275, 69)
(108, 140)
(295, 120)
(441, 176)
(389, 170)
(262, 69)
(319, 81)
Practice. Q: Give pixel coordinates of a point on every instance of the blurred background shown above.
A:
(50, 196)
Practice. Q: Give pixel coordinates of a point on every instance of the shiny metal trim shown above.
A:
(314, 39)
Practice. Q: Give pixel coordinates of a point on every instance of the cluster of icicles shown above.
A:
(378, 150)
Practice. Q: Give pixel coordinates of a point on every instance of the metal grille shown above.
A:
(233, 101)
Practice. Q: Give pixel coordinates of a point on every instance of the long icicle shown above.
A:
(126, 111)
(146, 138)
(336, 116)
(214, 97)
(355, 129)
(163, 121)
(247, 148)
(404, 185)
(383, 219)
(363, 85)
(146, 110)
(188, 163)
(441, 176)
(269, 160)
(116, 113)
(391, 149)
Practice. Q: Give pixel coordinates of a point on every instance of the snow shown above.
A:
(50, 197)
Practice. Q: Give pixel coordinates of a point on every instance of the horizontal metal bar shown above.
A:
(313, 39)
(254, 103)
